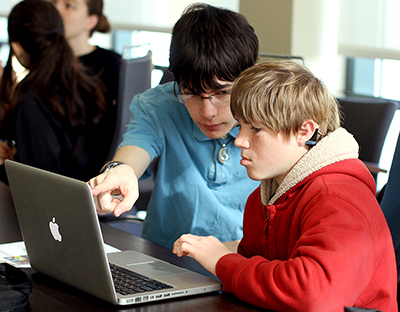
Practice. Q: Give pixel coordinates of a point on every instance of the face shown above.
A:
(265, 154)
(76, 17)
(213, 120)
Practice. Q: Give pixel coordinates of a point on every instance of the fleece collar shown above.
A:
(336, 146)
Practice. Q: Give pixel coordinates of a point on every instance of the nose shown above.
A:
(59, 7)
(241, 141)
(207, 109)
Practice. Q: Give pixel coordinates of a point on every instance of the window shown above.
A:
(157, 42)
(4, 48)
(141, 42)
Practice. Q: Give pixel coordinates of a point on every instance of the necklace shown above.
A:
(222, 154)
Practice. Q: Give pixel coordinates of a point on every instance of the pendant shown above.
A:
(222, 155)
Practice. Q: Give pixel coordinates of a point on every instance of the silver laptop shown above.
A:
(62, 235)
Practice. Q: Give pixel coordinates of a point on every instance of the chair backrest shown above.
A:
(264, 57)
(167, 75)
(390, 203)
(368, 120)
(134, 78)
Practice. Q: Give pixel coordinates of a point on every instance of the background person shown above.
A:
(315, 238)
(57, 115)
(200, 186)
(81, 19)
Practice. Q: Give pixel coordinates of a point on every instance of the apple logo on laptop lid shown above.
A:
(55, 230)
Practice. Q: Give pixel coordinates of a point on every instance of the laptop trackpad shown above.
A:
(144, 264)
(155, 269)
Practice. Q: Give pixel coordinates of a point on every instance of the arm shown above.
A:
(6, 152)
(232, 245)
(330, 253)
(329, 262)
(122, 179)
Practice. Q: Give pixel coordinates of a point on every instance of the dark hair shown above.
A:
(54, 72)
(96, 7)
(210, 43)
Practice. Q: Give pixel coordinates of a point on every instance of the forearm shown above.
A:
(232, 245)
(135, 157)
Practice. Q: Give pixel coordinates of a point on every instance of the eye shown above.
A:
(222, 92)
(189, 95)
(70, 5)
(256, 129)
(237, 125)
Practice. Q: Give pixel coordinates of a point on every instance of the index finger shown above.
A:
(100, 185)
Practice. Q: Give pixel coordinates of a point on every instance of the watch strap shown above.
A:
(110, 165)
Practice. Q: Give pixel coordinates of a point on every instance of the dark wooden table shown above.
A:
(51, 295)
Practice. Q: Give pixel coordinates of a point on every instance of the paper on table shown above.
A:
(109, 249)
(15, 254)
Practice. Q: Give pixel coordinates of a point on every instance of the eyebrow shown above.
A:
(223, 86)
(214, 90)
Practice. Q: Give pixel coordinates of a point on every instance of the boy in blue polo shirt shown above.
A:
(200, 186)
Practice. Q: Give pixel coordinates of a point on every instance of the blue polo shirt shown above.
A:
(194, 192)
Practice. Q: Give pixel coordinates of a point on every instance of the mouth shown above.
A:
(211, 127)
(245, 161)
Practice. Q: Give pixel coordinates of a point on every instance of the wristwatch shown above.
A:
(110, 165)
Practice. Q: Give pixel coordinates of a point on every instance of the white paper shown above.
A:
(15, 254)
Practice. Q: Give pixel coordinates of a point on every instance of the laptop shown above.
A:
(61, 231)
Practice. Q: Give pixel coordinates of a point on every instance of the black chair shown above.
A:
(134, 78)
(280, 57)
(369, 121)
(167, 75)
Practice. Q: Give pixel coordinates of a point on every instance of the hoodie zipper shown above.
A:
(267, 230)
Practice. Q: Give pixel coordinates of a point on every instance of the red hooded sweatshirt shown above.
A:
(317, 242)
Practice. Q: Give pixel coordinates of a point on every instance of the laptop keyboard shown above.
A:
(127, 282)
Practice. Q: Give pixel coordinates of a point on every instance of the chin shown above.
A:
(253, 176)
(214, 134)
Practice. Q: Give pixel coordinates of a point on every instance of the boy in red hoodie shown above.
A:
(314, 236)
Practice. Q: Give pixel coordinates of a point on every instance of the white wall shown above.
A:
(6, 5)
(306, 28)
(370, 28)
(315, 27)
(157, 15)
(144, 14)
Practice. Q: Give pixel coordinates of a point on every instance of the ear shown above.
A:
(306, 131)
(93, 20)
(17, 48)
(22, 56)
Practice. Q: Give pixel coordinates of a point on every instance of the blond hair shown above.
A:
(281, 96)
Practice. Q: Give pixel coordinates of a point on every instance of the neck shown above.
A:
(80, 46)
